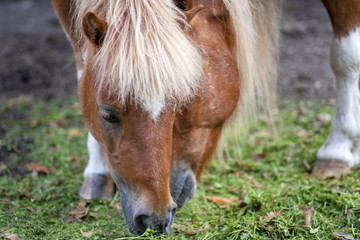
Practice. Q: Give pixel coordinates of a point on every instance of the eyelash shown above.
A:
(109, 116)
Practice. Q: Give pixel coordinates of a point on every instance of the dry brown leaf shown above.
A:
(178, 226)
(333, 181)
(221, 201)
(38, 168)
(271, 215)
(79, 213)
(117, 206)
(272, 201)
(221, 219)
(87, 234)
(30, 209)
(71, 158)
(357, 189)
(321, 182)
(57, 124)
(25, 192)
(74, 132)
(242, 195)
(308, 214)
(257, 157)
(92, 214)
(235, 189)
(10, 236)
(82, 203)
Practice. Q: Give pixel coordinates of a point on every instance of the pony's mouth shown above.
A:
(182, 187)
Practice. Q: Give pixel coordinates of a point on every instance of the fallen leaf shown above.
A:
(79, 213)
(272, 201)
(221, 219)
(357, 189)
(30, 209)
(71, 158)
(343, 235)
(82, 203)
(321, 182)
(271, 215)
(178, 226)
(333, 181)
(117, 206)
(257, 157)
(38, 168)
(235, 189)
(10, 236)
(221, 201)
(92, 214)
(87, 234)
(57, 124)
(73, 132)
(308, 214)
(25, 192)
(242, 195)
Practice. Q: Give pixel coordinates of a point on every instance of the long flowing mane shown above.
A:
(256, 30)
(145, 56)
(256, 26)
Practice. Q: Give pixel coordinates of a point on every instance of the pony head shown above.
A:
(140, 67)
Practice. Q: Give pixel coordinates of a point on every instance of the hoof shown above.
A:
(330, 168)
(97, 186)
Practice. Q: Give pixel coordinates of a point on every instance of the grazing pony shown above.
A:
(158, 79)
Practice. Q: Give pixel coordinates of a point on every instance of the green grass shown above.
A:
(268, 172)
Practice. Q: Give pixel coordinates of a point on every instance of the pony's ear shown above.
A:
(192, 13)
(94, 28)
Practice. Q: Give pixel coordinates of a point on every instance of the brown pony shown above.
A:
(158, 79)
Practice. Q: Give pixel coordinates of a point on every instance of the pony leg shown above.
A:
(97, 181)
(341, 151)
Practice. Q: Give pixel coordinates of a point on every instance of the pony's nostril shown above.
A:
(160, 224)
(142, 222)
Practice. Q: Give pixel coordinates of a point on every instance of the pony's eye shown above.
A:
(109, 115)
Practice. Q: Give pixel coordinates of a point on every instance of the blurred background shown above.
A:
(36, 59)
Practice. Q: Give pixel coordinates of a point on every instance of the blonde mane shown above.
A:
(256, 27)
(256, 24)
(145, 56)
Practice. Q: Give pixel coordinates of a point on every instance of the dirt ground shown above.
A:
(36, 58)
